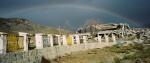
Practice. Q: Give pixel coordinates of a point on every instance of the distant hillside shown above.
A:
(10, 25)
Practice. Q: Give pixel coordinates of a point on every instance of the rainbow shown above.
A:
(84, 7)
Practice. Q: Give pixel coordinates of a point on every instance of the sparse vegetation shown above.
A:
(134, 53)
(117, 60)
(11, 25)
(118, 49)
(129, 57)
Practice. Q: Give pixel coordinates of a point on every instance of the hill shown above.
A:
(10, 25)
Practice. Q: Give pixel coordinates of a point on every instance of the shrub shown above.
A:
(117, 60)
(129, 57)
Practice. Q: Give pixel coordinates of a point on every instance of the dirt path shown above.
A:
(89, 56)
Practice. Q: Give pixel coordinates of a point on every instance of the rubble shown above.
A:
(122, 31)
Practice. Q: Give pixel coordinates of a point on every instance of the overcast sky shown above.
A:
(56, 12)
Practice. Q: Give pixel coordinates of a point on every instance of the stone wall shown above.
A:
(34, 56)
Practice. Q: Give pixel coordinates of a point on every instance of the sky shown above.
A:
(56, 13)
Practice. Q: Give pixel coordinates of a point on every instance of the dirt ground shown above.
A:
(89, 56)
(115, 54)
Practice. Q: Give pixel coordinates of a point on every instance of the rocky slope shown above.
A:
(10, 25)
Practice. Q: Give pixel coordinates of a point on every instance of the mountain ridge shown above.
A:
(10, 25)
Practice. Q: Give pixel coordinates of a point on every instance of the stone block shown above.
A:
(25, 54)
(19, 55)
(25, 60)
(4, 58)
(14, 62)
(1, 58)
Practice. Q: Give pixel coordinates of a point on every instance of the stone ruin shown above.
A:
(122, 31)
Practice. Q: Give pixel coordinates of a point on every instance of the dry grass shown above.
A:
(89, 56)
(115, 54)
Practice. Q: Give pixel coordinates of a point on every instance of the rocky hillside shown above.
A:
(10, 25)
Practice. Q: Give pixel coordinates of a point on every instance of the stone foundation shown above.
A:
(35, 56)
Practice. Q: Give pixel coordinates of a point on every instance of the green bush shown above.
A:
(117, 60)
(129, 57)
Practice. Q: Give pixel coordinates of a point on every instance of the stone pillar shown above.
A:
(64, 40)
(85, 42)
(77, 39)
(122, 34)
(39, 41)
(99, 38)
(51, 40)
(25, 40)
(58, 40)
(106, 38)
(113, 38)
(3, 42)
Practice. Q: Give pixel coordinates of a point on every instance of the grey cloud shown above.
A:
(137, 10)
